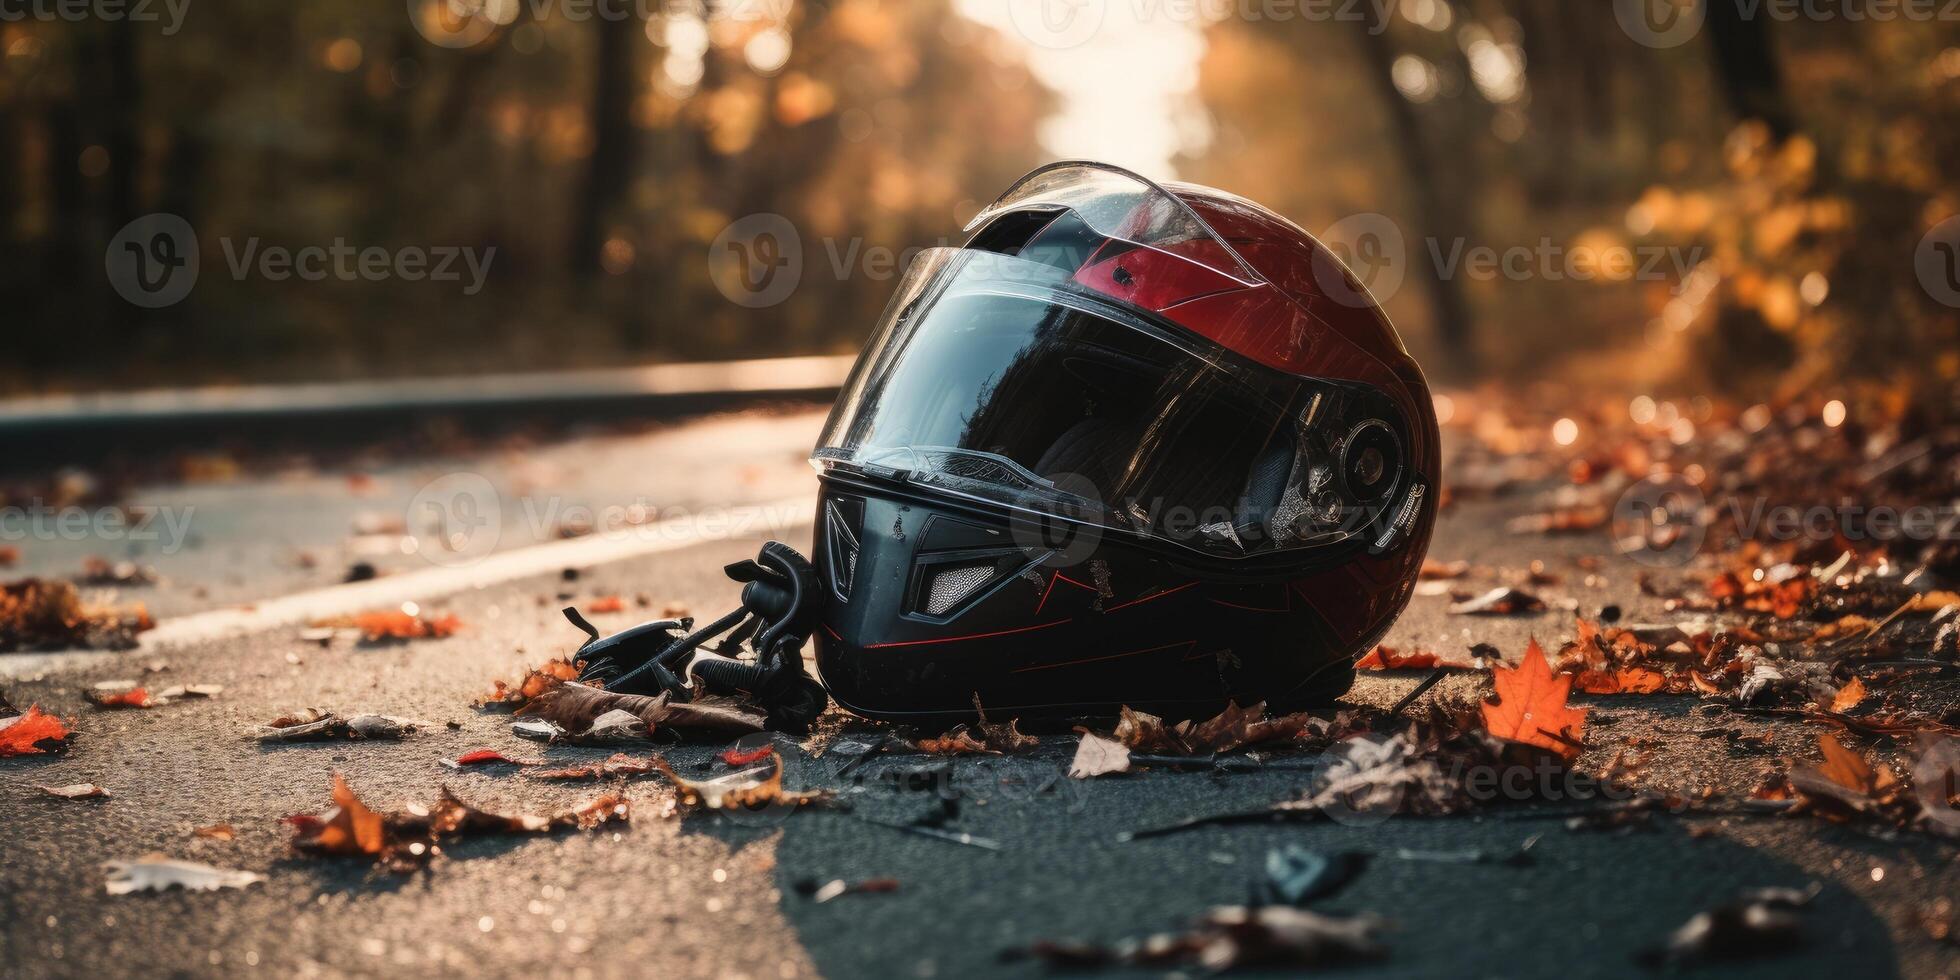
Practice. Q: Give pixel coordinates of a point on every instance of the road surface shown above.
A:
(713, 897)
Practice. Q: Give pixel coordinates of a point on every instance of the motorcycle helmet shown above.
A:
(1132, 444)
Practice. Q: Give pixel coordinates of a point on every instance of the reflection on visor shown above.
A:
(999, 381)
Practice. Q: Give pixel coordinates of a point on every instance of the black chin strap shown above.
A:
(781, 601)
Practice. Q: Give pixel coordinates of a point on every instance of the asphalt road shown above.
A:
(701, 896)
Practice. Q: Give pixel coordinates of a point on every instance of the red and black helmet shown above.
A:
(1133, 444)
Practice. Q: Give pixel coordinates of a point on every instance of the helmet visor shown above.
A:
(998, 379)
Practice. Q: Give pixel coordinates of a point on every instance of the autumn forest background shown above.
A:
(1784, 172)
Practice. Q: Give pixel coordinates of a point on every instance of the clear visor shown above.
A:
(1120, 205)
(995, 378)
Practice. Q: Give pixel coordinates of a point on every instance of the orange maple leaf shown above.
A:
(1530, 706)
(24, 734)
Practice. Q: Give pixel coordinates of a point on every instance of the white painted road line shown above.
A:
(776, 374)
(753, 521)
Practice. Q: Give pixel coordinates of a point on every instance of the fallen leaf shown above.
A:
(1002, 737)
(737, 757)
(485, 757)
(534, 683)
(33, 733)
(408, 839)
(1098, 756)
(617, 766)
(1530, 706)
(606, 604)
(318, 726)
(155, 872)
(135, 697)
(576, 707)
(749, 789)
(216, 831)
(959, 741)
(1849, 695)
(76, 791)
(1500, 601)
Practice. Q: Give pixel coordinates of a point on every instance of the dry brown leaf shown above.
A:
(216, 831)
(534, 683)
(1098, 756)
(1849, 695)
(575, 707)
(748, 789)
(76, 791)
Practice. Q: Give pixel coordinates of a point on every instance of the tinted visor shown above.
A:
(999, 379)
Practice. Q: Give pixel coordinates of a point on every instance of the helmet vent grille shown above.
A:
(953, 585)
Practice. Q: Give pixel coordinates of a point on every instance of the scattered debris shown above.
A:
(216, 831)
(1759, 922)
(488, 757)
(156, 873)
(1298, 877)
(77, 791)
(404, 841)
(606, 604)
(838, 888)
(315, 725)
(103, 572)
(577, 709)
(617, 766)
(1233, 937)
(747, 789)
(535, 682)
(1500, 601)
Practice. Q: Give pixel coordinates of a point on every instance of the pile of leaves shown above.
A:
(42, 614)
(408, 839)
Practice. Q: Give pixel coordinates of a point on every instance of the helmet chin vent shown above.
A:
(840, 519)
(951, 586)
